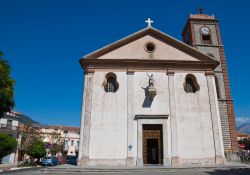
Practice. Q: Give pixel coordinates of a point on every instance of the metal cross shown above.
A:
(201, 9)
(149, 21)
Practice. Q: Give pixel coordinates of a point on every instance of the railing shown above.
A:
(8, 127)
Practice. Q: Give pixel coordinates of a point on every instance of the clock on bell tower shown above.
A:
(202, 32)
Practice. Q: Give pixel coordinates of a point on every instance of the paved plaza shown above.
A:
(69, 169)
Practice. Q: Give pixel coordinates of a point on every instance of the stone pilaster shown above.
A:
(215, 119)
(131, 160)
(82, 120)
(166, 140)
(175, 160)
(139, 161)
(86, 118)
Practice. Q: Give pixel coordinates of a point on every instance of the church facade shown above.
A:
(152, 99)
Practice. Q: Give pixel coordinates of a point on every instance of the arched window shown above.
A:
(206, 39)
(111, 84)
(217, 87)
(191, 85)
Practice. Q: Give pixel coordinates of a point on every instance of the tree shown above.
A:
(6, 87)
(36, 149)
(57, 143)
(56, 148)
(8, 145)
(30, 132)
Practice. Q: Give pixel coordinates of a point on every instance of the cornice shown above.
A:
(130, 64)
(208, 45)
(204, 21)
(170, 72)
(130, 71)
(209, 72)
(89, 71)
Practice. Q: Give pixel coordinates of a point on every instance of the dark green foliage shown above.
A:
(8, 145)
(56, 148)
(6, 87)
(36, 149)
(57, 143)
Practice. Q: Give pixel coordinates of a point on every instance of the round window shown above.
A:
(150, 47)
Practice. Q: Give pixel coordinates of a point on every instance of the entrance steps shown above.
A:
(158, 168)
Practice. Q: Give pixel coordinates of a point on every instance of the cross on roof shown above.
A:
(149, 21)
(201, 9)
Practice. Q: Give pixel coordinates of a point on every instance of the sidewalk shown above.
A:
(7, 166)
(12, 166)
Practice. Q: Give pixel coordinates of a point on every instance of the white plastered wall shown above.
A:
(160, 103)
(108, 131)
(195, 132)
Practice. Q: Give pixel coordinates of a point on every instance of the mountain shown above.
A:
(243, 124)
(244, 129)
(27, 120)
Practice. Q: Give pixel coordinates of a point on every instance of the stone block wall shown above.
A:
(225, 124)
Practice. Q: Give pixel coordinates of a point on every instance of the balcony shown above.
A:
(8, 127)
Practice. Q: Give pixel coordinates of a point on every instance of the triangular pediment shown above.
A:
(133, 48)
(129, 52)
(137, 50)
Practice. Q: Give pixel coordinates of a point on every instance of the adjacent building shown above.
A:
(66, 135)
(20, 126)
(9, 125)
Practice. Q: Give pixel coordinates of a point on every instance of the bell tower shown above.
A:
(202, 32)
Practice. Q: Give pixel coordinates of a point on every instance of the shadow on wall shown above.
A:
(147, 100)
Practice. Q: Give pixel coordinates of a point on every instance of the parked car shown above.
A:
(72, 160)
(62, 159)
(49, 161)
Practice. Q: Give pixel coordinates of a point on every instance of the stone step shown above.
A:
(152, 169)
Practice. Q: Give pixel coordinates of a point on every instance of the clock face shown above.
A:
(205, 30)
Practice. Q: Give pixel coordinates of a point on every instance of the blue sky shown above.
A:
(44, 39)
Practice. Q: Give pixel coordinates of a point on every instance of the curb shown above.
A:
(18, 168)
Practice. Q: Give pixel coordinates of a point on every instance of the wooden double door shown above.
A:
(152, 144)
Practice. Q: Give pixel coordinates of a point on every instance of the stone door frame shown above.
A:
(166, 133)
(155, 132)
